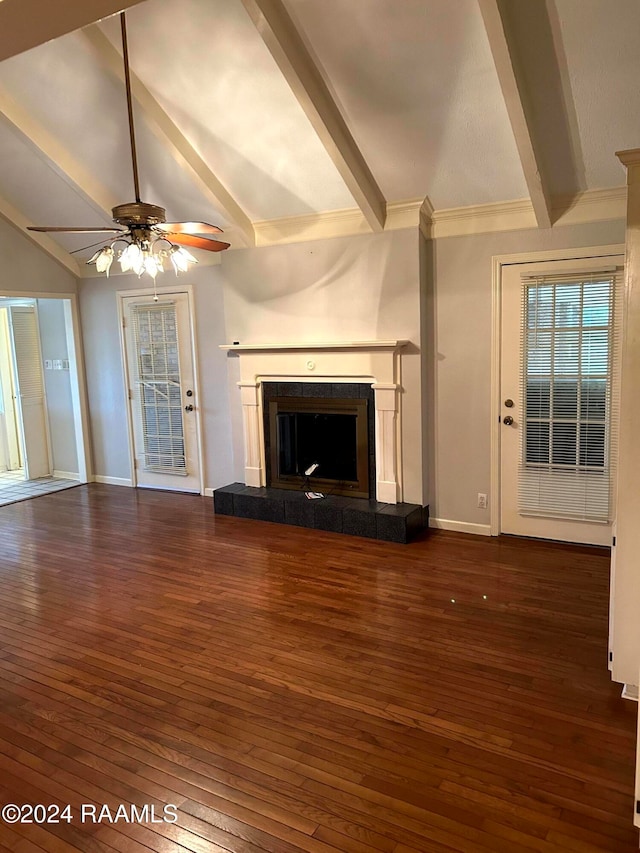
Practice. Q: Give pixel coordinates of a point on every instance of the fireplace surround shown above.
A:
(334, 369)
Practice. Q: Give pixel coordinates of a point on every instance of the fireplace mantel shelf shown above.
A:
(313, 345)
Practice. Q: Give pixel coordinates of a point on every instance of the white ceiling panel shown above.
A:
(205, 63)
(418, 88)
(415, 82)
(37, 190)
(601, 41)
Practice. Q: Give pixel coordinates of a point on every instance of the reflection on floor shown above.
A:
(14, 487)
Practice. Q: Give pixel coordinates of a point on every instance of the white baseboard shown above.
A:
(208, 493)
(630, 691)
(66, 475)
(460, 526)
(113, 481)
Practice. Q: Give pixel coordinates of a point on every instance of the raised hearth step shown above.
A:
(356, 516)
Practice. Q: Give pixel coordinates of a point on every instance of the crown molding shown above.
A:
(576, 209)
(333, 223)
(590, 206)
(631, 157)
(478, 219)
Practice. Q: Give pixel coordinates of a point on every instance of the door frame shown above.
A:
(185, 289)
(77, 375)
(497, 264)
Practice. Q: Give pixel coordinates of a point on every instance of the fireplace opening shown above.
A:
(326, 437)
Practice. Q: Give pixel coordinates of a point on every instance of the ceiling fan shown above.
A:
(149, 239)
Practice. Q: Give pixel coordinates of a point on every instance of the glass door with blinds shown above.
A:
(559, 386)
(161, 390)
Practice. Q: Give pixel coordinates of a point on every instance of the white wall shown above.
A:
(57, 383)
(26, 268)
(352, 288)
(105, 378)
(457, 277)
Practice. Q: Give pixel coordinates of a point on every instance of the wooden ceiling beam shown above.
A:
(514, 93)
(25, 24)
(169, 134)
(307, 83)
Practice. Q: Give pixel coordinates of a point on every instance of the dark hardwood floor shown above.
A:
(289, 690)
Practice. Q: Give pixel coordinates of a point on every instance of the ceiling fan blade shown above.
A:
(189, 228)
(74, 230)
(199, 242)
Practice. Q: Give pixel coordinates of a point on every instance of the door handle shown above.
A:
(508, 420)
(188, 408)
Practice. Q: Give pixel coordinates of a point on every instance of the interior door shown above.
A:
(558, 380)
(160, 371)
(31, 405)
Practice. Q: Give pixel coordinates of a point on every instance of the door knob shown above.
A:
(188, 408)
(508, 420)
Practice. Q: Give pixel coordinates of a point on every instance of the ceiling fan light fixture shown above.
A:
(181, 258)
(144, 225)
(130, 258)
(103, 259)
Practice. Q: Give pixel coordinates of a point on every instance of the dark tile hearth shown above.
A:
(356, 516)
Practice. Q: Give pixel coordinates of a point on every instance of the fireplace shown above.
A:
(376, 364)
(321, 428)
(358, 379)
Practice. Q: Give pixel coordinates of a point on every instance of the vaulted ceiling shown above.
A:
(282, 119)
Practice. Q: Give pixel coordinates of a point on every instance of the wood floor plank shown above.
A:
(295, 691)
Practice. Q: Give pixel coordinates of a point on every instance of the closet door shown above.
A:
(29, 389)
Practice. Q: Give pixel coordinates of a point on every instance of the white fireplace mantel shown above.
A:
(375, 362)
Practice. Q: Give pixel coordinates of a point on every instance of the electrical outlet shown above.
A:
(482, 501)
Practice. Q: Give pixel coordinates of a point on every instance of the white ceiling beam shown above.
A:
(307, 83)
(28, 23)
(167, 131)
(514, 94)
(14, 217)
(59, 158)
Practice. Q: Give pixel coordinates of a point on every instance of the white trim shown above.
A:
(334, 223)
(579, 208)
(331, 346)
(78, 384)
(460, 526)
(588, 206)
(66, 475)
(497, 263)
(113, 481)
(630, 691)
(208, 493)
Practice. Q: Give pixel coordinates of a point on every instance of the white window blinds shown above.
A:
(158, 381)
(570, 385)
